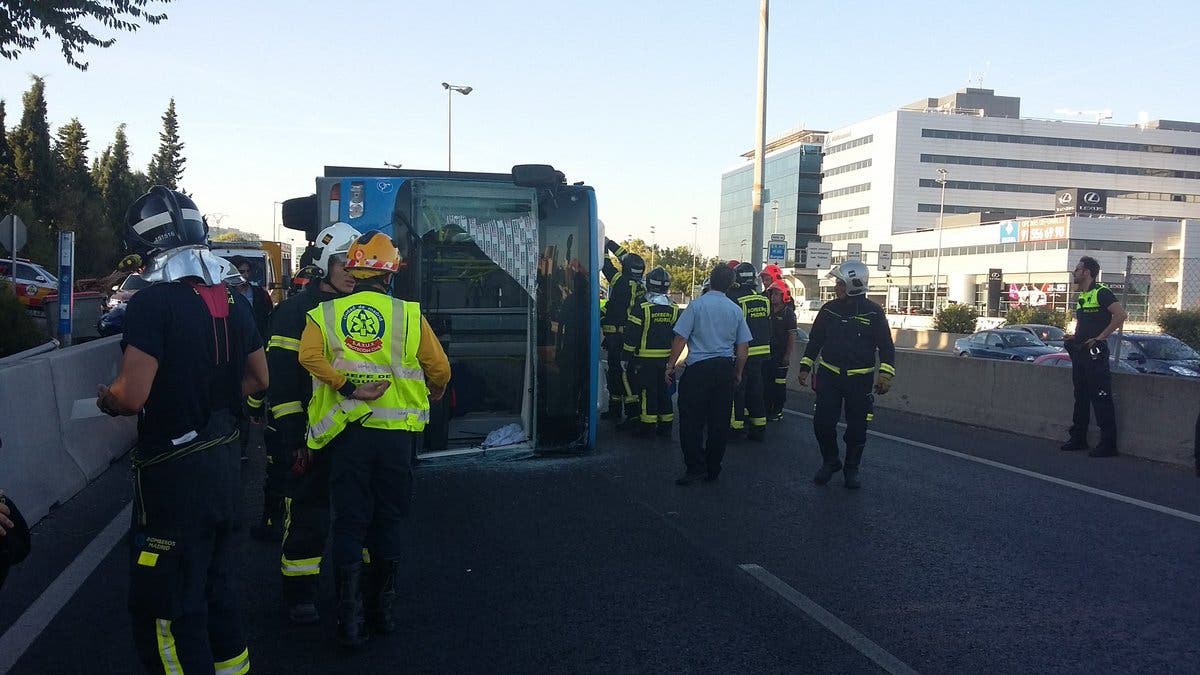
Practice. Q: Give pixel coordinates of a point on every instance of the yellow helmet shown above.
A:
(371, 254)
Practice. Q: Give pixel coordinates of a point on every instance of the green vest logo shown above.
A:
(363, 327)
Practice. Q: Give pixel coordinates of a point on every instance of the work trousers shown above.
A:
(652, 391)
(371, 485)
(620, 390)
(775, 373)
(275, 480)
(749, 404)
(1093, 390)
(836, 393)
(305, 527)
(705, 394)
(183, 565)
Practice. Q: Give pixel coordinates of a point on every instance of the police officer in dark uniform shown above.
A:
(749, 404)
(1097, 315)
(624, 287)
(191, 354)
(846, 334)
(296, 489)
(649, 332)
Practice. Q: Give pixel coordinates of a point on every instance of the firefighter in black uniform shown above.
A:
(624, 287)
(749, 404)
(783, 340)
(649, 332)
(841, 349)
(1097, 315)
(296, 489)
(191, 354)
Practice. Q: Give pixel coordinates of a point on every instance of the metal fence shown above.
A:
(1154, 284)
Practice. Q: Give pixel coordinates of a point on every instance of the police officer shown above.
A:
(296, 489)
(191, 353)
(749, 404)
(649, 332)
(1097, 315)
(846, 334)
(379, 364)
(624, 287)
(783, 340)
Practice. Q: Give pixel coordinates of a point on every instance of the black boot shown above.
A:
(351, 622)
(853, 457)
(1074, 445)
(614, 410)
(830, 466)
(381, 595)
(664, 429)
(300, 596)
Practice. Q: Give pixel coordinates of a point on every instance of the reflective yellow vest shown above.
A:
(369, 336)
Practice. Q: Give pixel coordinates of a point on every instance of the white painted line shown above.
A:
(1033, 474)
(834, 625)
(26, 629)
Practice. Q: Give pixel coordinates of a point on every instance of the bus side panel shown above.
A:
(597, 253)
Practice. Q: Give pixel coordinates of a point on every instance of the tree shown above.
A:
(77, 204)
(6, 185)
(677, 261)
(118, 186)
(166, 167)
(22, 22)
(33, 179)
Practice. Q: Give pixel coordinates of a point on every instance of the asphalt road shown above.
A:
(941, 563)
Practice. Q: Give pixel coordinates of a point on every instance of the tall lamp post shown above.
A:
(275, 220)
(775, 208)
(450, 89)
(653, 242)
(937, 275)
(695, 252)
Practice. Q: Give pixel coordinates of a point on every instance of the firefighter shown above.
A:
(783, 340)
(624, 287)
(379, 364)
(649, 332)
(748, 399)
(191, 353)
(846, 334)
(296, 489)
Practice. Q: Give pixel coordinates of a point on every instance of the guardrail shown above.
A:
(55, 439)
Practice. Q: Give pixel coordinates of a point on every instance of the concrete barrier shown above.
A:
(1155, 414)
(910, 338)
(55, 440)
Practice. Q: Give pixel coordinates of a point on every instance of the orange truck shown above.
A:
(270, 263)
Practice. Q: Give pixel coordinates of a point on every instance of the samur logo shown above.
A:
(363, 327)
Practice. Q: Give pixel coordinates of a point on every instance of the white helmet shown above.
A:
(331, 241)
(852, 273)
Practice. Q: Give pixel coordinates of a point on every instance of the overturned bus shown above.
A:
(505, 268)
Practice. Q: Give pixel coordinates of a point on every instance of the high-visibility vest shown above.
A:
(1089, 300)
(369, 336)
(757, 311)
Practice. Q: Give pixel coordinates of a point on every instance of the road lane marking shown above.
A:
(1032, 474)
(26, 629)
(834, 625)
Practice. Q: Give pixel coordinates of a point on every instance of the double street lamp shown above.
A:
(450, 89)
(941, 179)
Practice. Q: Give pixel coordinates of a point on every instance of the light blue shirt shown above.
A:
(713, 325)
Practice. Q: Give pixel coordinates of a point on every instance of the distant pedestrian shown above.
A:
(1097, 316)
(717, 339)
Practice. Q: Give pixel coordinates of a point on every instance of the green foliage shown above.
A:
(676, 260)
(166, 167)
(1038, 315)
(26, 22)
(18, 330)
(1184, 325)
(956, 319)
(228, 234)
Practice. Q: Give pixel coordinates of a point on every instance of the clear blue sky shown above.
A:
(648, 101)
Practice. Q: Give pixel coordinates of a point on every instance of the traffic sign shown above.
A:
(777, 248)
(820, 254)
(884, 262)
(12, 227)
(854, 251)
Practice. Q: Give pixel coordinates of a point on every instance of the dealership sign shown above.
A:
(1080, 201)
(1044, 229)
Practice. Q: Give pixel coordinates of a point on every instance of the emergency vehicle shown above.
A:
(506, 269)
(34, 283)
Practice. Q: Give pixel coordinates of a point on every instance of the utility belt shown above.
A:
(221, 429)
(849, 372)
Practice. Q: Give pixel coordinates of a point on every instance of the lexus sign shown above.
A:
(1079, 201)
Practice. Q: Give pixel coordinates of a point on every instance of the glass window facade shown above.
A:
(1059, 142)
(1059, 166)
(792, 178)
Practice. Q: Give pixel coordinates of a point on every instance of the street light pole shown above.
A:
(275, 220)
(450, 89)
(760, 140)
(775, 208)
(695, 252)
(653, 242)
(942, 173)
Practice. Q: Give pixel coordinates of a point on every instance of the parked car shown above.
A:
(1051, 335)
(34, 283)
(122, 293)
(1010, 345)
(1063, 360)
(1160, 354)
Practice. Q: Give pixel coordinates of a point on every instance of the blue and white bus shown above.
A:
(506, 269)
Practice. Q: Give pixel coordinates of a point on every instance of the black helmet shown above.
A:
(745, 275)
(633, 265)
(163, 219)
(658, 281)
